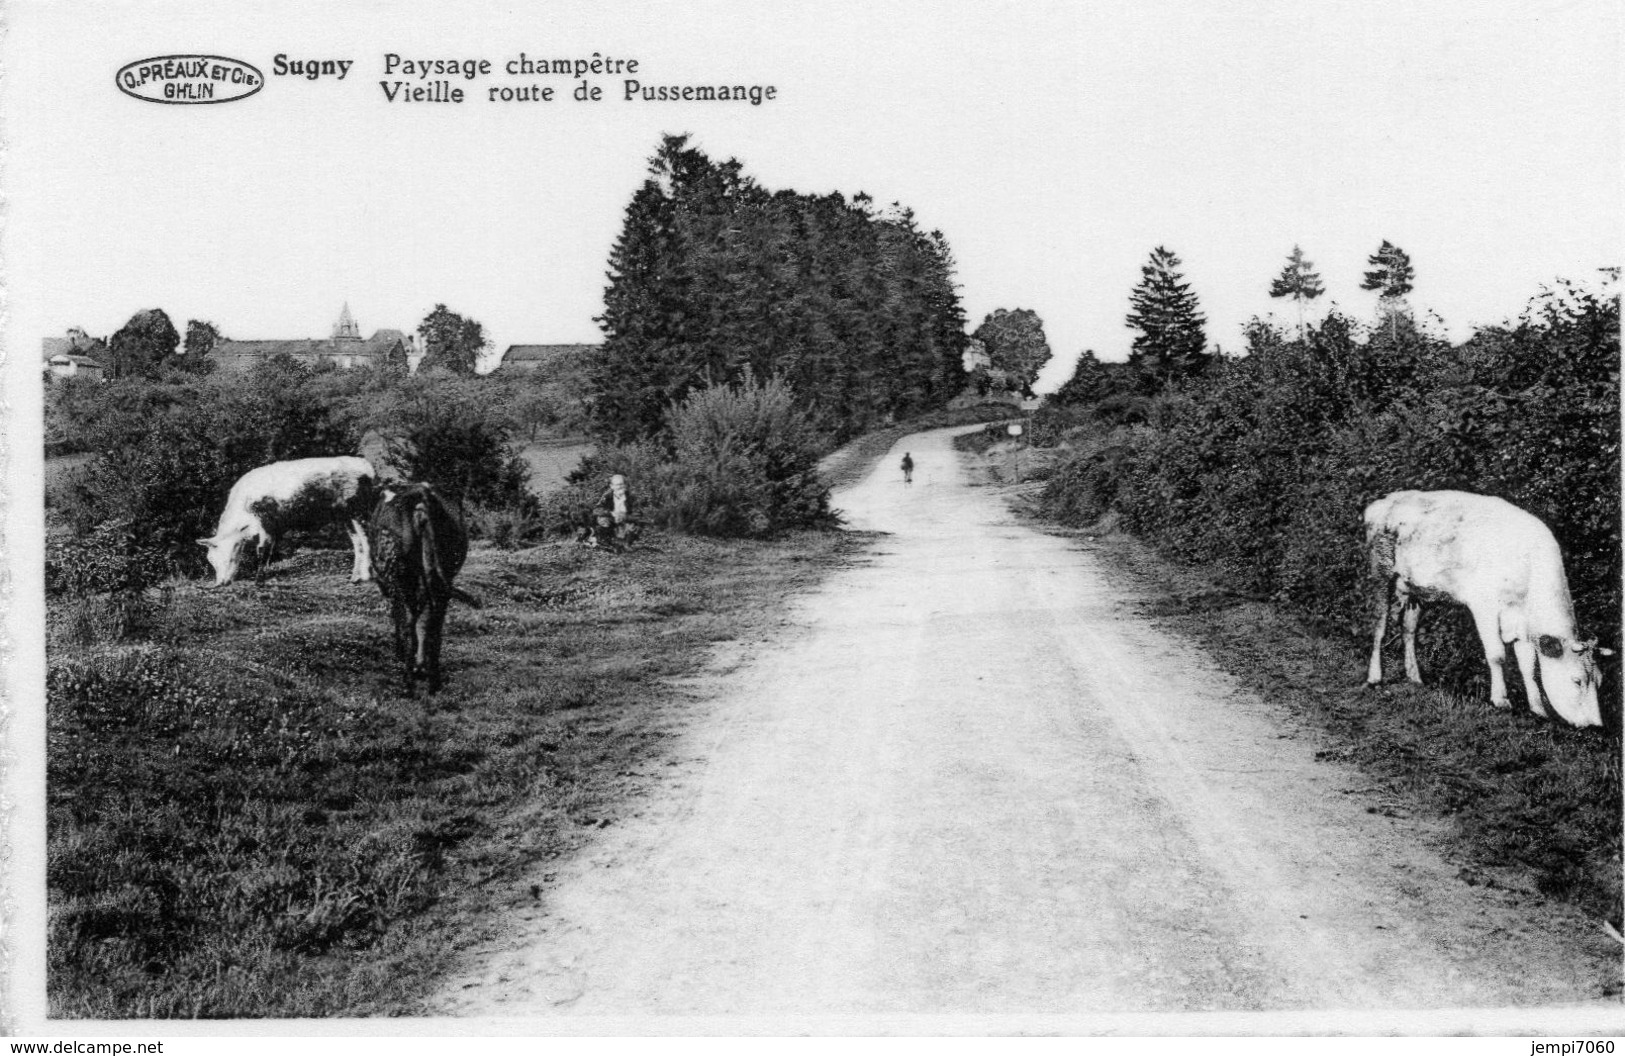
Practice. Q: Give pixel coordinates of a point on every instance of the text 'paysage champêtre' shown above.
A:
(522, 79)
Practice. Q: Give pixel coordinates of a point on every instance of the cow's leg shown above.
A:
(1528, 657)
(421, 630)
(1384, 602)
(1495, 654)
(1412, 615)
(262, 556)
(405, 639)
(432, 635)
(361, 570)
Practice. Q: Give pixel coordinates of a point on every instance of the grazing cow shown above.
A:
(303, 493)
(418, 546)
(1504, 565)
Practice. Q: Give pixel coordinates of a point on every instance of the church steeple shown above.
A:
(345, 329)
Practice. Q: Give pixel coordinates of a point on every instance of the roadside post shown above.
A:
(1014, 430)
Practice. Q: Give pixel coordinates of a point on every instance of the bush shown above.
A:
(1083, 487)
(747, 459)
(506, 527)
(83, 414)
(167, 486)
(111, 558)
(646, 467)
(441, 429)
(1050, 425)
(740, 461)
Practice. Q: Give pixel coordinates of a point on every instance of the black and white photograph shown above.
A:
(850, 519)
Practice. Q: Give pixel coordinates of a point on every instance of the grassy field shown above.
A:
(550, 461)
(247, 819)
(1535, 805)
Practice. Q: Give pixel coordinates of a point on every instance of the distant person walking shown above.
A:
(908, 468)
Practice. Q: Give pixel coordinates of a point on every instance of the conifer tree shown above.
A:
(1390, 277)
(1299, 281)
(1172, 343)
(1090, 382)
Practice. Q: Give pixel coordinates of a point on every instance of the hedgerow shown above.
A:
(1263, 466)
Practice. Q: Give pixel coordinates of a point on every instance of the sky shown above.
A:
(1054, 144)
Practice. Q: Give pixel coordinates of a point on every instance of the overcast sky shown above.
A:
(1054, 145)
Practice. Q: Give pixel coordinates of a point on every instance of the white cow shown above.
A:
(1503, 564)
(303, 493)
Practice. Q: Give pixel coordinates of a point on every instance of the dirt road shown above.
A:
(974, 781)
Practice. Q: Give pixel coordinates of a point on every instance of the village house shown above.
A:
(541, 359)
(346, 349)
(77, 355)
(975, 356)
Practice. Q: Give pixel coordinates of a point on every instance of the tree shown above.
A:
(1172, 343)
(1390, 277)
(847, 302)
(1092, 381)
(201, 339)
(1015, 344)
(142, 346)
(1299, 281)
(451, 341)
(449, 432)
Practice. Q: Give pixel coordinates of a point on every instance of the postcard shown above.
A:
(827, 518)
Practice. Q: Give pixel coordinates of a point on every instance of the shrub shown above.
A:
(646, 467)
(1121, 409)
(742, 460)
(506, 527)
(109, 558)
(747, 458)
(441, 429)
(1083, 487)
(83, 414)
(168, 486)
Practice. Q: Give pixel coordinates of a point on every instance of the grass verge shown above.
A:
(1535, 805)
(245, 818)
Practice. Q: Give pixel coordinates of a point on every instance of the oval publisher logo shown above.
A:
(189, 79)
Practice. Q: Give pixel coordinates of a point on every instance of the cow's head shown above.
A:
(224, 552)
(1569, 678)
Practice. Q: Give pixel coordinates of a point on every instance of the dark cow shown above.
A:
(418, 546)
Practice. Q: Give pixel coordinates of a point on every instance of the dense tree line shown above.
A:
(852, 306)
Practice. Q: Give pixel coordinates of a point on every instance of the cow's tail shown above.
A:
(433, 573)
(434, 577)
